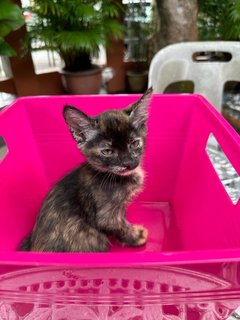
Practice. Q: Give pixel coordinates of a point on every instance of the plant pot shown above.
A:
(137, 80)
(82, 82)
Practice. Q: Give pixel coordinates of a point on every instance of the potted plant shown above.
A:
(75, 29)
(137, 38)
(11, 18)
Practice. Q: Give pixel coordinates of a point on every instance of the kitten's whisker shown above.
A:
(111, 181)
(108, 178)
(104, 180)
(90, 193)
(96, 174)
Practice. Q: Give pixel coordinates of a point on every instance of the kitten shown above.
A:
(89, 203)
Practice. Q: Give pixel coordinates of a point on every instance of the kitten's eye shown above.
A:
(107, 152)
(136, 144)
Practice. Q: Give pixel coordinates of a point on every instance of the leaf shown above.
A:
(86, 40)
(85, 10)
(110, 10)
(4, 28)
(113, 28)
(5, 49)
(11, 14)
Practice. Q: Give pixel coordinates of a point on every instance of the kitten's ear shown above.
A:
(138, 111)
(80, 125)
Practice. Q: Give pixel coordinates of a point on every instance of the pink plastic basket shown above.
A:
(189, 268)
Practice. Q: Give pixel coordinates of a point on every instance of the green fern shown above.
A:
(75, 29)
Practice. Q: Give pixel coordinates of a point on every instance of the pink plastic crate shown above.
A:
(189, 268)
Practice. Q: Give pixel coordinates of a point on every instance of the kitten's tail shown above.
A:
(26, 244)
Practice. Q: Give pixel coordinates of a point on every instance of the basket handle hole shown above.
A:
(186, 86)
(211, 56)
(3, 149)
(224, 169)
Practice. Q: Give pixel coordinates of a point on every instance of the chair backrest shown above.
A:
(190, 61)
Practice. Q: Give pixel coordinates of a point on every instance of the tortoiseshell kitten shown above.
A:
(90, 202)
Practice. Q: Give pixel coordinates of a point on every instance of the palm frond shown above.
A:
(73, 26)
(219, 20)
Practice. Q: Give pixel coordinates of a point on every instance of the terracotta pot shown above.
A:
(137, 80)
(82, 82)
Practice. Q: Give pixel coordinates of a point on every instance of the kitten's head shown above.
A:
(114, 140)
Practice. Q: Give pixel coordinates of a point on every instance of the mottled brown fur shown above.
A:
(90, 202)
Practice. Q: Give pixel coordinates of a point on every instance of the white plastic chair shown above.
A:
(177, 63)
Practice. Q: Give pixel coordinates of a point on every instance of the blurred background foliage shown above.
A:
(219, 20)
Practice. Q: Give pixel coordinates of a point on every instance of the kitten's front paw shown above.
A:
(140, 235)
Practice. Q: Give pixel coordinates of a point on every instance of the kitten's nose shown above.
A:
(131, 166)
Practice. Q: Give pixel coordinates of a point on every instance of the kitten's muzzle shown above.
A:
(129, 169)
(130, 165)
